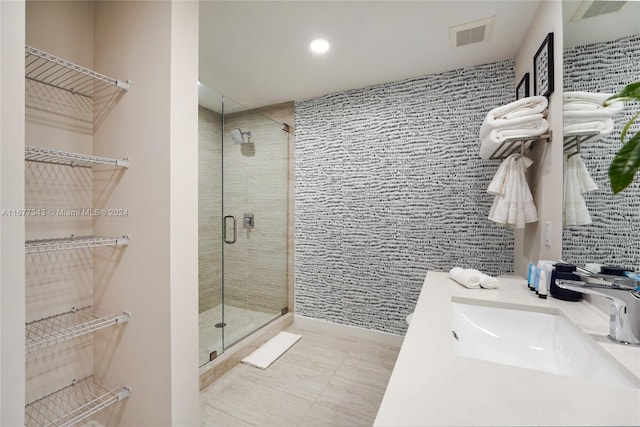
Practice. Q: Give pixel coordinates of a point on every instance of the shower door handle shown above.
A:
(224, 229)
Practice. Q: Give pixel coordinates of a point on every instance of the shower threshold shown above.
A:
(239, 323)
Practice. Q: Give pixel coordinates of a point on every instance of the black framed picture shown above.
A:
(543, 68)
(522, 90)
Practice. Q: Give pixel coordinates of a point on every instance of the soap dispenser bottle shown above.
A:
(564, 271)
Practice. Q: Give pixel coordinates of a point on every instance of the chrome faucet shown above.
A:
(624, 327)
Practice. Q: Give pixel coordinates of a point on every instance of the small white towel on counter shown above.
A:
(472, 278)
(513, 202)
(523, 119)
(577, 181)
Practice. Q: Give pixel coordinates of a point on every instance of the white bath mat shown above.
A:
(271, 350)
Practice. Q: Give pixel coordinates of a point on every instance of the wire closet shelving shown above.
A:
(68, 243)
(60, 88)
(47, 155)
(69, 325)
(47, 69)
(73, 404)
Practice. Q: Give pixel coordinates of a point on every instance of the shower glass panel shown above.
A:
(254, 174)
(243, 199)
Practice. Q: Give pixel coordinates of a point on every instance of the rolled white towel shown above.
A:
(467, 278)
(486, 281)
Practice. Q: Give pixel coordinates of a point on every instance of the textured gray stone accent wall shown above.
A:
(613, 236)
(389, 185)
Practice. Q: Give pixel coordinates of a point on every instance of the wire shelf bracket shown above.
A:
(46, 155)
(515, 145)
(69, 243)
(69, 325)
(572, 143)
(73, 404)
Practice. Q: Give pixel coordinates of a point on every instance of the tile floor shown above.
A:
(240, 323)
(321, 381)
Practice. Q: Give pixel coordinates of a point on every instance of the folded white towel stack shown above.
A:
(519, 119)
(585, 112)
(473, 279)
(513, 202)
(577, 181)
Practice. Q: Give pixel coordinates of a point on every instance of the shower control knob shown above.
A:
(248, 221)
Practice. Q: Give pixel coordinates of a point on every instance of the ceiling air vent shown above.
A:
(471, 32)
(591, 8)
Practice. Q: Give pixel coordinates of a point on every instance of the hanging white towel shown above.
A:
(513, 202)
(577, 181)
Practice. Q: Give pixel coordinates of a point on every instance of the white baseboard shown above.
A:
(347, 331)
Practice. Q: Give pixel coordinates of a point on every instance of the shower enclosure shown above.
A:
(243, 205)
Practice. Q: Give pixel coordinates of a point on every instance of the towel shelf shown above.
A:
(83, 242)
(66, 326)
(73, 404)
(46, 155)
(515, 145)
(573, 142)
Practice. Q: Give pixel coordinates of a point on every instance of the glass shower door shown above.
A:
(255, 170)
(210, 113)
(243, 169)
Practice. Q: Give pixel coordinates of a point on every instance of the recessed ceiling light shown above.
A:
(319, 46)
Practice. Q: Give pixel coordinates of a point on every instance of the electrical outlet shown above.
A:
(547, 233)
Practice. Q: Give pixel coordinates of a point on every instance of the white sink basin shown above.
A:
(533, 340)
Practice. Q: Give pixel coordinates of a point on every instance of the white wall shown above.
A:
(545, 176)
(154, 44)
(185, 405)
(12, 310)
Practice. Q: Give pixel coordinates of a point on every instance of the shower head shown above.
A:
(238, 136)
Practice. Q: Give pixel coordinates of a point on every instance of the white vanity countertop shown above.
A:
(432, 386)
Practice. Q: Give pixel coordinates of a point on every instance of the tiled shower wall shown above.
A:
(613, 236)
(389, 184)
